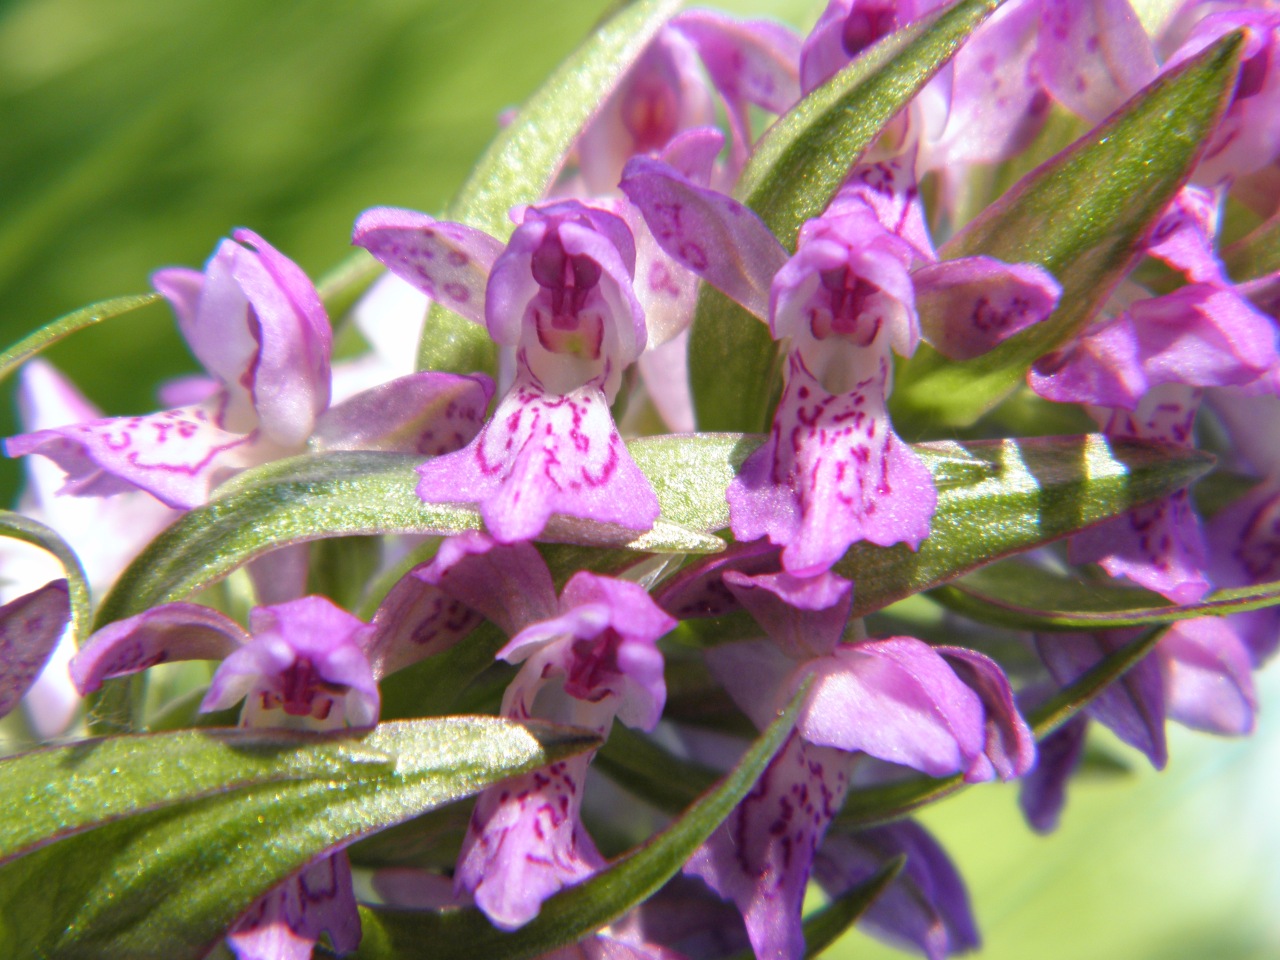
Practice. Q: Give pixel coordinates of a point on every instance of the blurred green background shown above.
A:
(135, 133)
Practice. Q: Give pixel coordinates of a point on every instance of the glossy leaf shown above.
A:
(168, 883)
(1082, 216)
(573, 913)
(58, 791)
(1001, 497)
(871, 806)
(18, 527)
(793, 173)
(64, 326)
(1027, 597)
(346, 494)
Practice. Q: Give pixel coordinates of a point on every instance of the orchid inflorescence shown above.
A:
(875, 266)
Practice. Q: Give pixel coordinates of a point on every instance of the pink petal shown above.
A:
(305, 657)
(888, 188)
(806, 617)
(416, 620)
(172, 631)
(29, 630)
(1010, 745)
(761, 855)
(542, 454)
(507, 583)
(1133, 707)
(897, 700)
(178, 456)
(1208, 677)
(427, 412)
(449, 262)
(662, 95)
(832, 473)
(1185, 236)
(1093, 55)
(997, 102)
(970, 305)
(290, 377)
(526, 842)
(287, 923)
(707, 232)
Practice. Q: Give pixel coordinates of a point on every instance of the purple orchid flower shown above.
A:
(1142, 375)
(105, 535)
(255, 321)
(596, 659)
(749, 63)
(833, 472)
(560, 296)
(1200, 674)
(985, 106)
(926, 906)
(305, 663)
(942, 711)
(30, 626)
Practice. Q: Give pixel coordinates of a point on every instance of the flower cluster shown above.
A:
(545, 570)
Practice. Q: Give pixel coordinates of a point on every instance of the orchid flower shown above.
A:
(926, 906)
(303, 664)
(255, 322)
(1142, 375)
(560, 296)
(748, 62)
(952, 712)
(832, 471)
(592, 662)
(105, 535)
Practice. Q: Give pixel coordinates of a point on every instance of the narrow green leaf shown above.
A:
(58, 791)
(168, 883)
(580, 910)
(64, 326)
(348, 494)
(525, 157)
(792, 175)
(876, 805)
(996, 498)
(1083, 216)
(824, 927)
(17, 527)
(1027, 597)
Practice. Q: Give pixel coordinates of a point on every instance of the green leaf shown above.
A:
(792, 175)
(18, 527)
(1083, 216)
(824, 927)
(58, 791)
(168, 883)
(1027, 597)
(872, 806)
(578, 911)
(64, 326)
(999, 497)
(523, 160)
(348, 494)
